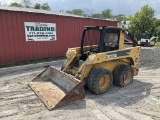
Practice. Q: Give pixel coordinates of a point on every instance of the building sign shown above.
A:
(36, 31)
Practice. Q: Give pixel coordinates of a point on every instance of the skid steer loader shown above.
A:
(100, 61)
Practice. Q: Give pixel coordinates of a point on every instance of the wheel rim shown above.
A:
(104, 82)
(127, 77)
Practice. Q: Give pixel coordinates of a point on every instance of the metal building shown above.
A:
(15, 48)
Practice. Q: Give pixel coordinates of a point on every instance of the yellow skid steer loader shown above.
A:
(101, 60)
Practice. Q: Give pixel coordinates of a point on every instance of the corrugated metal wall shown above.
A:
(14, 48)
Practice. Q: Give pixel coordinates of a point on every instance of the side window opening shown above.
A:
(111, 39)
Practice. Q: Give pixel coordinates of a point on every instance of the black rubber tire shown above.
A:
(94, 78)
(119, 72)
(64, 64)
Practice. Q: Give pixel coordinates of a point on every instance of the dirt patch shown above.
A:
(138, 101)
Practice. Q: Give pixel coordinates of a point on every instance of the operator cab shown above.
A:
(100, 38)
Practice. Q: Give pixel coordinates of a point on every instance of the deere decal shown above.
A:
(36, 31)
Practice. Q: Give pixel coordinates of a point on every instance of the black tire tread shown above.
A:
(118, 74)
(93, 78)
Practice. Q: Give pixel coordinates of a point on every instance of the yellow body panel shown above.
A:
(102, 60)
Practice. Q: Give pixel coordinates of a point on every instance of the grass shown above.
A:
(157, 44)
(32, 62)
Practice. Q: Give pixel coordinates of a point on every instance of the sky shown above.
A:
(127, 7)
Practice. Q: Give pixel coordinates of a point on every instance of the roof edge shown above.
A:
(31, 10)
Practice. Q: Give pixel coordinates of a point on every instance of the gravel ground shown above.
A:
(150, 58)
(138, 101)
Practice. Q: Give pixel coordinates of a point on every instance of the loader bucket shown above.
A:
(56, 88)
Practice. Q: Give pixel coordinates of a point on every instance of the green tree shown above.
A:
(129, 18)
(45, 6)
(15, 4)
(97, 15)
(157, 28)
(157, 21)
(26, 3)
(37, 6)
(143, 21)
(76, 12)
(62, 11)
(88, 12)
(107, 14)
(120, 17)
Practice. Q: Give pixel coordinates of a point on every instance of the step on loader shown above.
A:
(101, 61)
